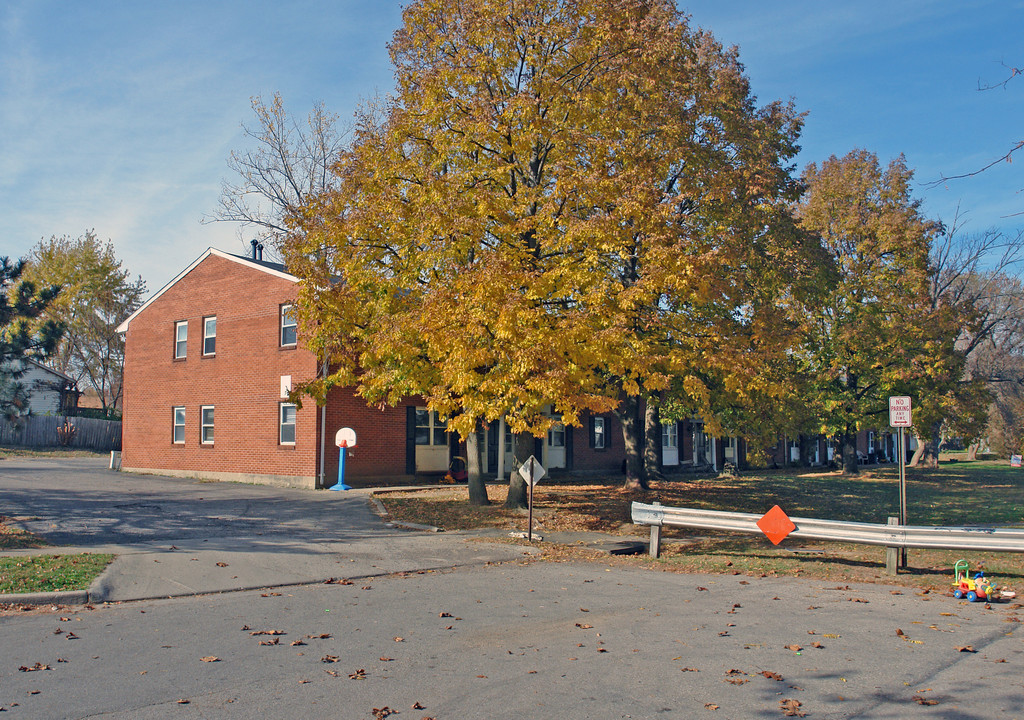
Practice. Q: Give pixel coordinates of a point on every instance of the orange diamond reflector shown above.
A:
(776, 525)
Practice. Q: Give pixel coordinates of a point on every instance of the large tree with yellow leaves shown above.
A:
(565, 202)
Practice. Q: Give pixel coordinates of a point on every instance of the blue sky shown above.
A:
(120, 116)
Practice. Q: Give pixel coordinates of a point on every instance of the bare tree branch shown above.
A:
(289, 165)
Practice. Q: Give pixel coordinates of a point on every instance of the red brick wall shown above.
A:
(588, 459)
(379, 455)
(242, 381)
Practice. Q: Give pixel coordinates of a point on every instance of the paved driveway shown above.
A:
(78, 501)
(176, 536)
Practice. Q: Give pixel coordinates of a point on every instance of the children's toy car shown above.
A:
(976, 589)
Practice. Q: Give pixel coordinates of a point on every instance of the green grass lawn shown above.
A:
(50, 573)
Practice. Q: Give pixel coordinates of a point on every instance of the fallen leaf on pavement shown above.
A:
(688, 670)
(183, 702)
(210, 658)
(710, 706)
(267, 632)
(417, 706)
(817, 644)
(381, 713)
(222, 564)
(444, 614)
(37, 666)
(321, 636)
(297, 642)
(330, 658)
(359, 674)
(584, 626)
(924, 701)
(275, 641)
(771, 675)
(794, 648)
(791, 708)
(966, 648)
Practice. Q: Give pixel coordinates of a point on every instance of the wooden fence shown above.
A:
(45, 431)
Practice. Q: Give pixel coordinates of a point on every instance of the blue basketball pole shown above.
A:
(341, 470)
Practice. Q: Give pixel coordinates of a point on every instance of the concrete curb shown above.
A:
(386, 517)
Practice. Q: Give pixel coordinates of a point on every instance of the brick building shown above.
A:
(209, 361)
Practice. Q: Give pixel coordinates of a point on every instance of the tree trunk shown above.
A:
(653, 469)
(805, 451)
(475, 482)
(849, 439)
(918, 453)
(628, 413)
(930, 454)
(517, 488)
(972, 451)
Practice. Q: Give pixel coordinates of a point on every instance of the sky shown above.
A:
(120, 116)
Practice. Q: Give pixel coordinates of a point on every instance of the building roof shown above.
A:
(52, 371)
(266, 266)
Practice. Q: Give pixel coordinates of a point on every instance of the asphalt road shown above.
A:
(510, 638)
(536, 640)
(78, 501)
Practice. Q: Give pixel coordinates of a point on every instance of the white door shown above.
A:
(431, 442)
(670, 443)
(555, 448)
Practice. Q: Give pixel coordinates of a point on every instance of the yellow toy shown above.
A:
(976, 589)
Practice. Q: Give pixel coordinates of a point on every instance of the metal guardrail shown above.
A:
(986, 539)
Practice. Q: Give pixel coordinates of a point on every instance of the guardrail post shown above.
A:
(655, 546)
(892, 553)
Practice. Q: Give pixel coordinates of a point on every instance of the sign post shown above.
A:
(532, 472)
(900, 416)
(345, 439)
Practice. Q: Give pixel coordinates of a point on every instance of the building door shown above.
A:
(670, 443)
(555, 448)
(431, 442)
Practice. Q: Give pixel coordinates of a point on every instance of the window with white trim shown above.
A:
(180, 340)
(286, 424)
(598, 433)
(210, 335)
(178, 423)
(430, 428)
(670, 434)
(289, 326)
(206, 424)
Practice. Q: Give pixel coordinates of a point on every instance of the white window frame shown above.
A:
(208, 337)
(600, 431)
(288, 322)
(203, 425)
(281, 424)
(178, 428)
(180, 342)
(670, 434)
(436, 427)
